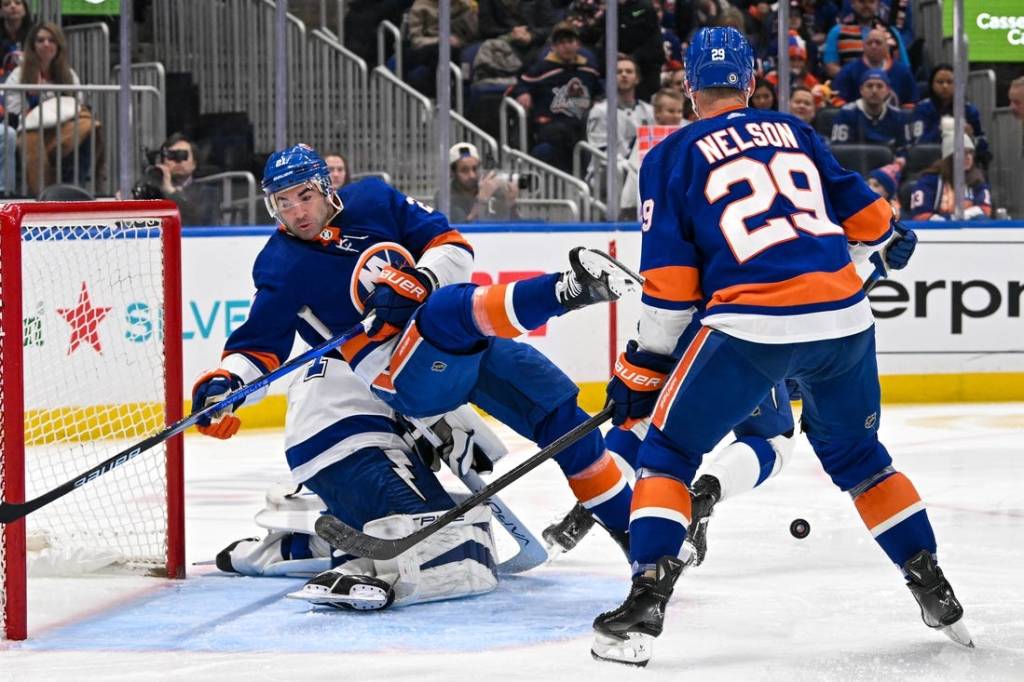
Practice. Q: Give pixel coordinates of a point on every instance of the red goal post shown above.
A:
(90, 358)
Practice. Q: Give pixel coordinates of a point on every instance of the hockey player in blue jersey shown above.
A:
(748, 217)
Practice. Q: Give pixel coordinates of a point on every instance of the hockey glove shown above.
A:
(210, 388)
(900, 248)
(639, 378)
(397, 295)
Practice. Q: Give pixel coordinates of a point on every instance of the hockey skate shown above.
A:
(705, 494)
(940, 609)
(626, 635)
(594, 277)
(344, 591)
(564, 535)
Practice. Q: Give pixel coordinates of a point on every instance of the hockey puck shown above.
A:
(799, 529)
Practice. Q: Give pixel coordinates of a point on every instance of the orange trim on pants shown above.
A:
(663, 492)
(676, 379)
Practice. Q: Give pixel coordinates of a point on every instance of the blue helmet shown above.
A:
(719, 57)
(296, 165)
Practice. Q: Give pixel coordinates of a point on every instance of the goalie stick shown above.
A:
(12, 511)
(348, 539)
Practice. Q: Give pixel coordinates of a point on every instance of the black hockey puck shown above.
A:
(799, 529)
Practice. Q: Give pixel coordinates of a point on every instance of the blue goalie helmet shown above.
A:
(296, 165)
(719, 57)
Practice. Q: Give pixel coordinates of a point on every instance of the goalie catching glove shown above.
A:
(396, 296)
(639, 378)
(212, 387)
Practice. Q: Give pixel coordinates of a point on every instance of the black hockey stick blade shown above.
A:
(346, 538)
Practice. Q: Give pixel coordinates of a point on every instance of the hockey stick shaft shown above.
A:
(11, 511)
(348, 539)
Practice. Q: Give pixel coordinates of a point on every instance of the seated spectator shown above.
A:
(588, 18)
(17, 22)
(668, 118)
(172, 178)
(361, 20)
(524, 24)
(693, 15)
(845, 41)
(674, 77)
(926, 121)
(764, 96)
(669, 41)
(802, 105)
(474, 198)
(798, 73)
(933, 196)
(558, 92)
(895, 13)
(632, 112)
(640, 37)
(871, 119)
(424, 32)
(876, 55)
(45, 62)
(885, 180)
(337, 166)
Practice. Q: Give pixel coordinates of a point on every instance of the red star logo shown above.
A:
(84, 319)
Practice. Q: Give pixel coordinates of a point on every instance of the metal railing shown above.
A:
(152, 119)
(404, 141)
(463, 130)
(458, 86)
(594, 173)
(519, 111)
(340, 9)
(235, 208)
(89, 52)
(930, 19)
(1007, 168)
(383, 28)
(557, 189)
(65, 151)
(981, 92)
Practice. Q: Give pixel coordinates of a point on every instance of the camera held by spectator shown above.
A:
(524, 182)
(477, 195)
(169, 175)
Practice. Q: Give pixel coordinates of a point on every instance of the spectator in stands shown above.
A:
(871, 119)
(876, 56)
(674, 78)
(798, 73)
(926, 121)
(362, 19)
(632, 112)
(17, 21)
(895, 13)
(933, 196)
(525, 24)
(172, 177)
(764, 96)
(1016, 97)
(693, 15)
(669, 41)
(423, 35)
(668, 117)
(845, 41)
(337, 166)
(558, 92)
(802, 105)
(640, 37)
(474, 198)
(588, 18)
(885, 180)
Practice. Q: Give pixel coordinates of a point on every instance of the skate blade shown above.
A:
(635, 650)
(688, 554)
(959, 633)
(365, 599)
(621, 279)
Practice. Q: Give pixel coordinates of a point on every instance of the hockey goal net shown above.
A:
(90, 361)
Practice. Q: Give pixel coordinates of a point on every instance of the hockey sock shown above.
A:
(508, 310)
(894, 513)
(743, 465)
(658, 518)
(604, 491)
(625, 444)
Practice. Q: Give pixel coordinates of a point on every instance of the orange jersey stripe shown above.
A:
(449, 237)
(659, 491)
(675, 380)
(813, 287)
(886, 499)
(490, 312)
(678, 283)
(870, 223)
(268, 360)
(597, 479)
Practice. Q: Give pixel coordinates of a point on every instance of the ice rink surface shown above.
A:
(763, 606)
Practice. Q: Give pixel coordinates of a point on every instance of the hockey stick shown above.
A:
(350, 540)
(12, 511)
(880, 272)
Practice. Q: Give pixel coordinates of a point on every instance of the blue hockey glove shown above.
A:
(212, 387)
(639, 378)
(901, 248)
(397, 295)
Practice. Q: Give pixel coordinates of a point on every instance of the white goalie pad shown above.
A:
(272, 555)
(290, 507)
(456, 561)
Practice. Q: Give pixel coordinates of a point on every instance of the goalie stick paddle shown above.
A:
(12, 511)
(348, 539)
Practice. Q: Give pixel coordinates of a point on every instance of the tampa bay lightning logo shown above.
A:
(369, 266)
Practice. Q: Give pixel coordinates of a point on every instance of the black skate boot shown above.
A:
(940, 609)
(705, 494)
(626, 634)
(344, 591)
(594, 277)
(564, 535)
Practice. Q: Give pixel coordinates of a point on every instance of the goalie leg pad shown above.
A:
(280, 553)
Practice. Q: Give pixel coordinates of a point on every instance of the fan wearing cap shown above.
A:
(876, 56)
(885, 180)
(798, 69)
(872, 119)
(477, 195)
(933, 195)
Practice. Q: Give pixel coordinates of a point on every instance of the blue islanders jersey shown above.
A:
(853, 125)
(748, 218)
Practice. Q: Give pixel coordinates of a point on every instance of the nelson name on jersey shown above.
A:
(729, 141)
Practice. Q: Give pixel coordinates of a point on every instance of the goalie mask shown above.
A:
(298, 193)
